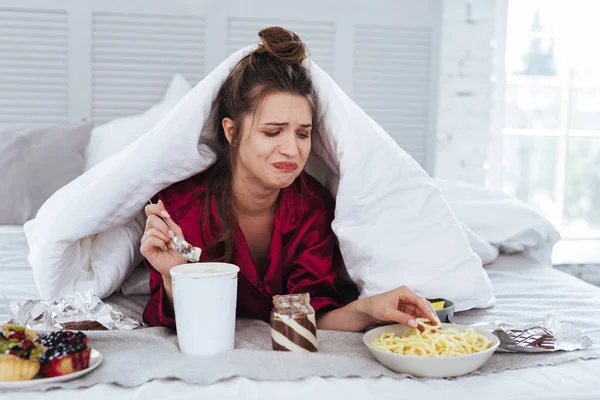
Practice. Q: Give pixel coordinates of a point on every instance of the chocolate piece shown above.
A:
(293, 323)
(84, 326)
(533, 337)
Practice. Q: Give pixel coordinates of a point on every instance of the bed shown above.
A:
(531, 282)
(114, 72)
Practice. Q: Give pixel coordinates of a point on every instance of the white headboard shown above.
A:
(71, 60)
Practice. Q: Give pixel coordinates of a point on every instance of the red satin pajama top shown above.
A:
(303, 255)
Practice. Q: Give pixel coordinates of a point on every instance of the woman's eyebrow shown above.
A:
(286, 124)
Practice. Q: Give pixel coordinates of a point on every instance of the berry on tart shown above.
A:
(17, 332)
(19, 353)
(65, 352)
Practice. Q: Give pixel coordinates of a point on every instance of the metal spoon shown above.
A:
(189, 252)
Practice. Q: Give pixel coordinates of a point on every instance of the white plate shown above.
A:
(95, 360)
(429, 367)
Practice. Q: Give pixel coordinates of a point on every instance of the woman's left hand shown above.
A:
(400, 305)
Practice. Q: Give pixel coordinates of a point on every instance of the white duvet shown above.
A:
(394, 226)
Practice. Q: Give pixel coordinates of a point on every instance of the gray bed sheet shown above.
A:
(526, 292)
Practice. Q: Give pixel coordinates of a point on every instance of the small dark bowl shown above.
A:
(446, 314)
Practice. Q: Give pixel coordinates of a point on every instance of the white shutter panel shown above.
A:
(392, 72)
(33, 67)
(134, 57)
(319, 36)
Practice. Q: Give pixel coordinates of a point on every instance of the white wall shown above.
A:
(469, 107)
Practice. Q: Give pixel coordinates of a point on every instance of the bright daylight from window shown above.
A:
(551, 149)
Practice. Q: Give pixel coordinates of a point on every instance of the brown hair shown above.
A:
(275, 66)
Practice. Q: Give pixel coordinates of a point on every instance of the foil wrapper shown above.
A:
(544, 336)
(76, 307)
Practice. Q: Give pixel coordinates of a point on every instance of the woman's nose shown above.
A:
(288, 145)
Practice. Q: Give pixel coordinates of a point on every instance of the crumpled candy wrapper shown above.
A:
(541, 337)
(75, 307)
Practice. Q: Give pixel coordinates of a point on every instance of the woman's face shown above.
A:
(275, 142)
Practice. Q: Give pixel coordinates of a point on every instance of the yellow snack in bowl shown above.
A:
(433, 341)
(438, 305)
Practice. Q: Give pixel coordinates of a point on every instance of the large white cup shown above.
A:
(204, 297)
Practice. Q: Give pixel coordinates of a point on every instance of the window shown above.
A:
(551, 136)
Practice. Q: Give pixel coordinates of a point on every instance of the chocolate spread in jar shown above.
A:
(293, 323)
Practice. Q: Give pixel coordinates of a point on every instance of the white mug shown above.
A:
(204, 297)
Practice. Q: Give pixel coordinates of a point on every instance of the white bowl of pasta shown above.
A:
(452, 351)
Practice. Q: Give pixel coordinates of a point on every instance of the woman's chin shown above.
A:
(282, 181)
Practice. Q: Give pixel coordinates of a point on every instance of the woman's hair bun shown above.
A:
(283, 44)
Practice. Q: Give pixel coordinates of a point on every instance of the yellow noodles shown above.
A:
(433, 342)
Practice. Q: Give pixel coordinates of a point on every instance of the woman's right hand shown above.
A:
(157, 243)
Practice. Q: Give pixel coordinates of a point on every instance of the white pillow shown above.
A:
(112, 137)
(486, 251)
(505, 222)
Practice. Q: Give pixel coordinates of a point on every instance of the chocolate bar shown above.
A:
(293, 323)
(533, 337)
(84, 326)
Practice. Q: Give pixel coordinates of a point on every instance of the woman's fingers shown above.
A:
(155, 232)
(174, 228)
(155, 222)
(393, 315)
(177, 230)
(150, 245)
(425, 308)
(158, 210)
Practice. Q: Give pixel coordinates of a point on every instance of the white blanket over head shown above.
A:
(394, 226)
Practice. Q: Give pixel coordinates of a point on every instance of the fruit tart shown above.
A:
(19, 353)
(65, 352)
